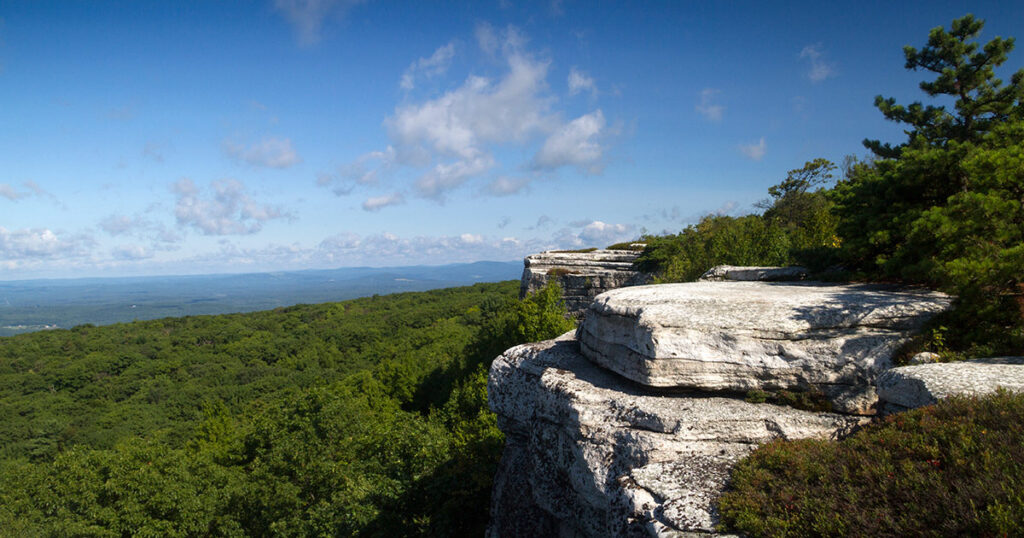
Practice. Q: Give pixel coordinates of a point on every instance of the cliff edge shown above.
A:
(630, 425)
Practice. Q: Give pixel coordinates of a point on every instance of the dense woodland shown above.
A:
(369, 417)
(364, 417)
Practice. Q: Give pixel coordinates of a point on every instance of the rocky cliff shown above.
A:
(582, 275)
(629, 426)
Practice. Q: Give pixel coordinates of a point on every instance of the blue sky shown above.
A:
(177, 137)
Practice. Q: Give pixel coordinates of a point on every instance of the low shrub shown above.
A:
(628, 245)
(952, 469)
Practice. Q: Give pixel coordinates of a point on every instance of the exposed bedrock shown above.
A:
(582, 275)
(739, 336)
(908, 387)
(589, 453)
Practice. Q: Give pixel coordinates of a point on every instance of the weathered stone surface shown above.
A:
(770, 274)
(582, 275)
(738, 336)
(908, 387)
(589, 453)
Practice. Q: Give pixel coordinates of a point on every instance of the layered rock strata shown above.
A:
(739, 336)
(582, 275)
(908, 387)
(589, 453)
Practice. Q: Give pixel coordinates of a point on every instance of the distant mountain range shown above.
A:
(32, 305)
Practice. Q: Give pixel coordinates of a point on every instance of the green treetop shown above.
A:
(966, 72)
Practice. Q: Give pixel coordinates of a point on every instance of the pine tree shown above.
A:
(964, 72)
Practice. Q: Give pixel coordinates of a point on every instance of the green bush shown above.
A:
(797, 227)
(953, 469)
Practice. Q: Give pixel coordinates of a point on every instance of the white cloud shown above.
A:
(580, 82)
(131, 252)
(594, 233)
(390, 249)
(505, 185)
(458, 129)
(307, 16)
(457, 136)
(707, 108)
(378, 202)
(446, 176)
(574, 144)
(121, 224)
(18, 247)
(820, 69)
(228, 212)
(431, 67)
(754, 151)
(269, 152)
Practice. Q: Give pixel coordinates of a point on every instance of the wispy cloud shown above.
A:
(434, 65)
(505, 185)
(142, 228)
(754, 151)
(580, 82)
(707, 107)
(9, 192)
(820, 69)
(154, 150)
(270, 152)
(13, 194)
(378, 202)
(229, 211)
(307, 16)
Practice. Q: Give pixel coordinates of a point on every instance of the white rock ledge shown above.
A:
(908, 387)
(738, 336)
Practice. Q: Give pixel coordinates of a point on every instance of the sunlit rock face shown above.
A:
(630, 425)
(582, 275)
(908, 387)
(740, 336)
(589, 453)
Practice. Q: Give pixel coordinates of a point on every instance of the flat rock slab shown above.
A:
(925, 384)
(589, 453)
(739, 336)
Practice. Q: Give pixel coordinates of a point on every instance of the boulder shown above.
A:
(740, 336)
(582, 275)
(746, 274)
(589, 453)
(908, 387)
